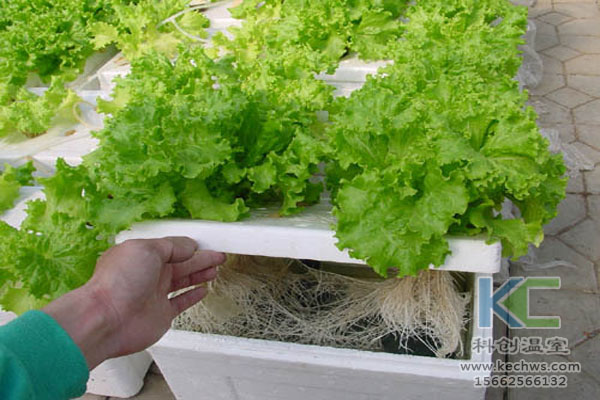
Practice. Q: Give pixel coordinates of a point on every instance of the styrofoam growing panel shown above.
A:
(220, 21)
(6, 317)
(117, 66)
(349, 76)
(233, 368)
(118, 377)
(16, 215)
(307, 235)
(67, 141)
(219, 16)
(71, 151)
(85, 80)
(79, 144)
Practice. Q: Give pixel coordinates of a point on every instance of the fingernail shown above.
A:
(192, 244)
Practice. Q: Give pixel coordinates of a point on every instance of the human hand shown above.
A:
(124, 307)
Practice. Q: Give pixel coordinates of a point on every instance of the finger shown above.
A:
(186, 300)
(174, 249)
(194, 279)
(201, 260)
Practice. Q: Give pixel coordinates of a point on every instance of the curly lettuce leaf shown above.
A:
(47, 41)
(437, 143)
(32, 115)
(50, 255)
(192, 125)
(142, 26)
(11, 181)
(45, 38)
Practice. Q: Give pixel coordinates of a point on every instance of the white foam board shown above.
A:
(350, 75)
(308, 235)
(16, 215)
(115, 67)
(67, 141)
(79, 144)
(87, 78)
(233, 368)
(353, 70)
(219, 16)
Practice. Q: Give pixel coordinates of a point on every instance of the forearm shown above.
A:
(83, 314)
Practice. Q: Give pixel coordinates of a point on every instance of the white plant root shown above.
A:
(284, 300)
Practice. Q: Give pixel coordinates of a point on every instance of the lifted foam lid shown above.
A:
(308, 235)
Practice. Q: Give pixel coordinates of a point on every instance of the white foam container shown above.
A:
(118, 377)
(232, 368)
(197, 365)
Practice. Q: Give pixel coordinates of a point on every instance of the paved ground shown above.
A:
(568, 99)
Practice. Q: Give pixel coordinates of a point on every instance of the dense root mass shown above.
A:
(285, 300)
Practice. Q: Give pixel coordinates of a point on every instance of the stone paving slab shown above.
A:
(578, 10)
(550, 82)
(586, 64)
(580, 274)
(589, 134)
(576, 184)
(581, 27)
(568, 99)
(592, 181)
(588, 113)
(570, 211)
(583, 237)
(584, 44)
(543, 42)
(588, 84)
(576, 310)
(566, 131)
(581, 386)
(588, 354)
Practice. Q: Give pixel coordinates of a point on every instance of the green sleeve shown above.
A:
(39, 360)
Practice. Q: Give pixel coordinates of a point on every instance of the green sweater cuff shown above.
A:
(55, 365)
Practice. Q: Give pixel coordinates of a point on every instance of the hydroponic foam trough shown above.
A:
(219, 367)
